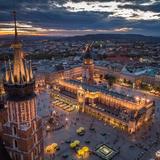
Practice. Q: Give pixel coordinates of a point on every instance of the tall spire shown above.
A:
(20, 73)
(16, 44)
(15, 26)
(17, 80)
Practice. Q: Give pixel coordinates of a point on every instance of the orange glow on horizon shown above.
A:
(60, 32)
(6, 33)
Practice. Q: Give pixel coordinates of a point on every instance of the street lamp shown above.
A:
(137, 98)
(54, 112)
(148, 100)
(48, 127)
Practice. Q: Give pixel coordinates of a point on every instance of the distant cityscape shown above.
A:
(129, 62)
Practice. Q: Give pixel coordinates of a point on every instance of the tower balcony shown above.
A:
(19, 90)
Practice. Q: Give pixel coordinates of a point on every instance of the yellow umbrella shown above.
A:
(80, 152)
(77, 142)
(78, 130)
(50, 149)
(81, 128)
(72, 145)
(85, 149)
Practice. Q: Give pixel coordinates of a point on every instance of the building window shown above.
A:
(39, 147)
(14, 130)
(36, 153)
(10, 153)
(0, 126)
(36, 138)
(32, 158)
(21, 157)
(15, 143)
(16, 157)
(35, 125)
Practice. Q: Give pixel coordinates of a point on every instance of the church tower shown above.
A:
(88, 66)
(22, 133)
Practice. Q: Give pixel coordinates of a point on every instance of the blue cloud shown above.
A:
(50, 14)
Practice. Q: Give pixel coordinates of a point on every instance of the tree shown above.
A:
(158, 89)
(101, 76)
(145, 86)
(111, 79)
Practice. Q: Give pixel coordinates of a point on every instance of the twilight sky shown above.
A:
(79, 17)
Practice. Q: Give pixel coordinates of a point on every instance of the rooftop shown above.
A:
(95, 88)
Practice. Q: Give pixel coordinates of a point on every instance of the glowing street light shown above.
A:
(143, 99)
(54, 112)
(48, 127)
(148, 100)
(137, 98)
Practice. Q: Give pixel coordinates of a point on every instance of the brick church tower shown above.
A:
(22, 133)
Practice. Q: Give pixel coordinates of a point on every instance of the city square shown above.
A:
(141, 145)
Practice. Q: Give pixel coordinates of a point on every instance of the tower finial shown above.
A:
(15, 25)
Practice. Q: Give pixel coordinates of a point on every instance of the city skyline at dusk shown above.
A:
(69, 18)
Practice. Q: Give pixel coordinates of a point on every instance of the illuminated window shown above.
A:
(36, 138)
(34, 125)
(32, 158)
(21, 157)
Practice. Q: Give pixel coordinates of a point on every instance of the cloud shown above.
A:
(116, 9)
(123, 29)
(70, 17)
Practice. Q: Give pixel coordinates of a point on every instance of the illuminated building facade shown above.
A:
(122, 111)
(127, 113)
(22, 132)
